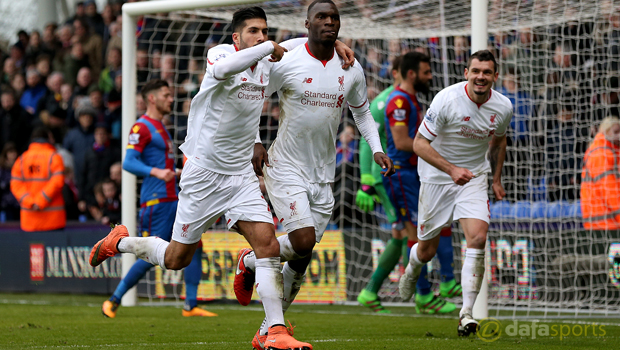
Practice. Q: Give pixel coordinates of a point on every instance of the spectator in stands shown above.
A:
(8, 203)
(73, 63)
(33, 93)
(15, 122)
(347, 171)
(17, 53)
(113, 114)
(84, 81)
(93, 18)
(106, 79)
(53, 95)
(111, 209)
(70, 195)
(564, 150)
(142, 60)
(43, 66)
(606, 103)
(18, 84)
(116, 173)
(97, 163)
(8, 70)
(92, 44)
(517, 157)
(64, 46)
(80, 12)
(95, 100)
(49, 43)
(80, 139)
(600, 186)
(36, 181)
(115, 40)
(34, 48)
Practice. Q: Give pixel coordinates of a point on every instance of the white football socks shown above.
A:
(150, 249)
(292, 283)
(471, 278)
(415, 265)
(287, 253)
(269, 289)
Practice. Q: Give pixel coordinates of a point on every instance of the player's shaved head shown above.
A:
(483, 55)
(318, 2)
(242, 15)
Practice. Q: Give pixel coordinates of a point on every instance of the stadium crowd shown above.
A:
(562, 79)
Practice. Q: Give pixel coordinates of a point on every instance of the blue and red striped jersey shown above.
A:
(401, 109)
(153, 142)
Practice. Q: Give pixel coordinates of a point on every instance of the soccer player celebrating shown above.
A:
(401, 114)
(218, 178)
(150, 155)
(313, 90)
(372, 186)
(463, 121)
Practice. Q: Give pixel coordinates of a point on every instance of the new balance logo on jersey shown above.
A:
(244, 79)
(307, 80)
(466, 119)
(341, 81)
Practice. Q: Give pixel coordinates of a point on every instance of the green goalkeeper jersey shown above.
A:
(367, 164)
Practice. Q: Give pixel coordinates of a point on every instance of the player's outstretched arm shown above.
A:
(497, 154)
(422, 147)
(225, 65)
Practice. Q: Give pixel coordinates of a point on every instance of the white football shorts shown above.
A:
(205, 196)
(297, 202)
(439, 205)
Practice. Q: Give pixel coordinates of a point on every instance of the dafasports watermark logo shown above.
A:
(491, 329)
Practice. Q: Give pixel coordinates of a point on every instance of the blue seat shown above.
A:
(554, 210)
(539, 210)
(522, 210)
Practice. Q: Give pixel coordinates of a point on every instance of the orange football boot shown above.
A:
(106, 247)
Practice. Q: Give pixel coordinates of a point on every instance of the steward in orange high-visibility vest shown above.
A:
(36, 181)
(600, 179)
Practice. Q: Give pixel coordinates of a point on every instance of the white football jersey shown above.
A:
(460, 130)
(224, 116)
(313, 94)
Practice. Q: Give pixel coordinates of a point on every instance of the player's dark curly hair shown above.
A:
(242, 15)
(411, 61)
(152, 85)
(483, 55)
(318, 2)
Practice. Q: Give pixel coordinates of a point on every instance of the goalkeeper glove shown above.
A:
(364, 198)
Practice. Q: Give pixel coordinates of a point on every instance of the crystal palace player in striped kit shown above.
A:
(464, 121)
(150, 155)
(314, 90)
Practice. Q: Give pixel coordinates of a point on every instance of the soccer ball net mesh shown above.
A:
(558, 63)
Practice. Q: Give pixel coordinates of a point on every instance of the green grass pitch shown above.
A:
(35, 321)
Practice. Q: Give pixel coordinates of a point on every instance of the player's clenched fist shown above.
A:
(385, 162)
(278, 52)
(163, 174)
(461, 176)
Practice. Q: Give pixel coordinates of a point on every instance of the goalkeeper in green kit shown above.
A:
(372, 190)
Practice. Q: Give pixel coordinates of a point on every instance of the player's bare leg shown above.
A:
(473, 270)
(261, 237)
